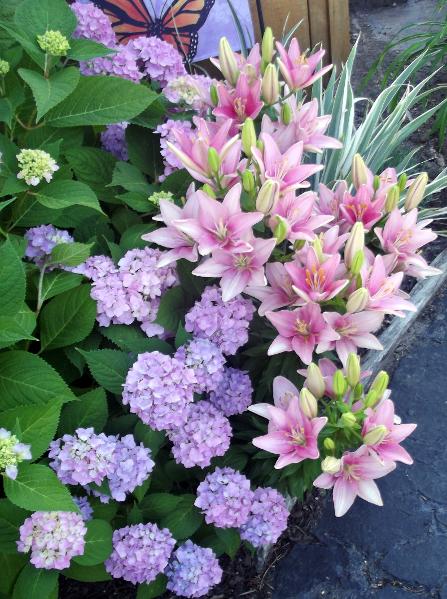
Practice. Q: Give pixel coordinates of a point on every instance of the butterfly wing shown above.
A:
(130, 18)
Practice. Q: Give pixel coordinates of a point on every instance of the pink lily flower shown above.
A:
(384, 291)
(240, 103)
(283, 392)
(297, 213)
(182, 246)
(238, 270)
(388, 449)
(285, 168)
(292, 435)
(192, 151)
(305, 126)
(220, 225)
(329, 202)
(299, 70)
(316, 280)
(362, 207)
(356, 476)
(301, 330)
(328, 368)
(250, 65)
(278, 293)
(354, 330)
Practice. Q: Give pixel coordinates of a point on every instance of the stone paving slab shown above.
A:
(398, 551)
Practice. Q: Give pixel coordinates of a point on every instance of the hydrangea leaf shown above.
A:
(109, 367)
(12, 279)
(89, 410)
(63, 194)
(34, 583)
(98, 543)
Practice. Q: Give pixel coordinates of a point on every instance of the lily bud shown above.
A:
(281, 230)
(353, 369)
(348, 419)
(260, 145)
(213, 160)
(357, 301)
(308, 403)
(248, 181)
(416, 192)
(376, 182)
(214, 95)
(375, 435)
(268, 196)
(267, 46)
(286, 113)
(392, 198)
(359, 171)
(372, 399)
(315, 381)
(248, 136)
(331, 465)
(318, 247)
(357, 263)
(380, 383)
(298, 245)
(402, 182)
(209, 190)
(339, 383)
(270, 84)
(355, 243)
(328, 444)
(227, 61)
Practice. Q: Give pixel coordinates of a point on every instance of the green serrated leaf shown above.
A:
(98, 543)
(34, 583)
(153, 589)
(35, 18)
(185, 520)
(154, 440)
(132, 237)
(58, 281)
(12, 279)
(49, 92)
(11, 518)
(26, 379)
(89, 411)
(12, 330)
(231, 540)
(38, 488)
(129, 338)
(84, 49)
(86, 573)
(108, 367)
(171, 309)
(91, 165)
(65, 193)
(130, 177)
(10, 566)
(67, 318)
(158, 505)
(70, 254)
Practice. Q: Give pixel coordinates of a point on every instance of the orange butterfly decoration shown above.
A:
(178, 24)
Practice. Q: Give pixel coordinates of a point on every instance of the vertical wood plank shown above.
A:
(319, 25)
(277, 12)
(339, 25)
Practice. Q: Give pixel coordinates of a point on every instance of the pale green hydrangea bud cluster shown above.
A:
(160, 195)
(53, 43)
(4, 67)
(35, 165)
(11, 453)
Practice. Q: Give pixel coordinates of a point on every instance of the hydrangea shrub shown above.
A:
(182, 304)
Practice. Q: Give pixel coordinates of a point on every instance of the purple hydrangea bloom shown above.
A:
(225, 498)
(84, 507)
(95, 267)
(113, 140)
(267, 519)
(93, 24)
(133, 464)
(193, 570)
(83, 458)
(206, 434)
(234, 392)
(157, 59)
(191, 90)
(223, 323)
(166, 131)
(121, 64)
(158, 389)
(41, 241)
(206, 360)
(53, 538)
(140, 553)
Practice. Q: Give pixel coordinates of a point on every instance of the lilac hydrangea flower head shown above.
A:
(206, 434)
(53, 538)
(158, 389)
(93, 24)
(84, 507)
(190, 90)
(267, 519)
(95, 267)
(157, 59)
(193, 570)
(167, 135)
(121, 64)
(113, 140)
(12, 453)
(140, 272)
(83, 458)
(223, 323)
(140, 552)
(133, 464)
(41, 241)
(234, 393)
(225, 498)
(206, 360)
